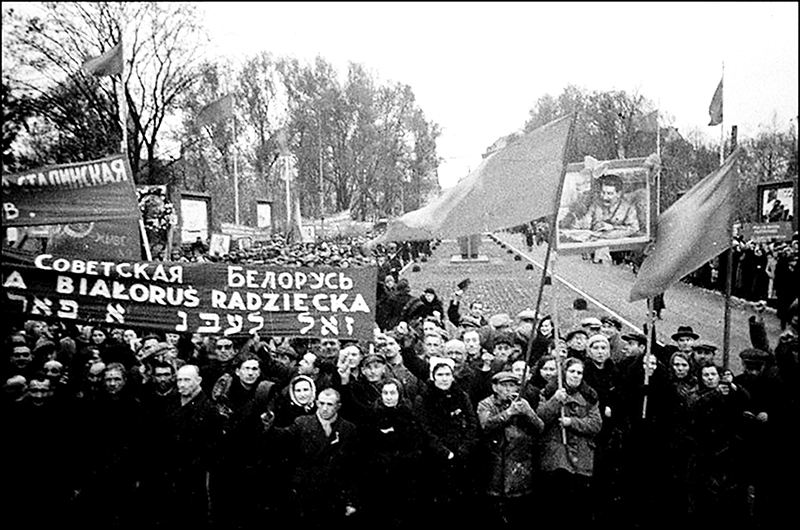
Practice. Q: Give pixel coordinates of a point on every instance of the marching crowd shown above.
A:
(450, 416)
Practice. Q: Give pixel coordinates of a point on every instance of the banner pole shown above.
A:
(722, 122)
(146, 242)
(726, 330)
(551, 243)
(556, 342)
(649, 344)
(235, 168)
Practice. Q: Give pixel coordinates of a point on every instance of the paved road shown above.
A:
(504, 285)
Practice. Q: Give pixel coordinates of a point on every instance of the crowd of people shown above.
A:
(449, 416)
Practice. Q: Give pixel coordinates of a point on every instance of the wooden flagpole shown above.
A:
(123, 122)
(554, 300)
(235, 164)
(649, 345)
(726, 330)
(722, 123)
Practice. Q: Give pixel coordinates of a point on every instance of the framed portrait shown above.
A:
(776, 202)
(220, 245)
(607, 203)
(195, 215)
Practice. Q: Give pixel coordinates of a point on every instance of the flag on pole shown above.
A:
(694, 230)
(216, 111)
(513, 185)
(672, 135)
(109, 63)
(715, 108)
(647, 122)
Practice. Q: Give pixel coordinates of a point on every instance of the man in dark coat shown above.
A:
(240, 399)
(322, 449)
(510, 435)
(193, 435)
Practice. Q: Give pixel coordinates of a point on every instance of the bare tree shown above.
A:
(45, 48)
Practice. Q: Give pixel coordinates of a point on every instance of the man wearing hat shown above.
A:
(592, 325)
(611, 327)
(511, 428)
(360, 392)
(577, 343)
(635, 348)
(684, 338)
(703, 352)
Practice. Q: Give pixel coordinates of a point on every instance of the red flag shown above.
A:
(694, 230)
(715, 108)
(109, 63)
(216, 111)
(647, 122)
(513, 185)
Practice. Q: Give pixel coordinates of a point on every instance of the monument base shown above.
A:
(479, 258)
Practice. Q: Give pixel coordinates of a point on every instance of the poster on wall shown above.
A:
(605, 204)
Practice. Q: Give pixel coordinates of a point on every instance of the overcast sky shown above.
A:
(478, 68)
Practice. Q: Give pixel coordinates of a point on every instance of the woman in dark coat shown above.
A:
(451, 425)
(569, 467)
(677, 422)
(717, 492)
(600, 373)
(393, 443)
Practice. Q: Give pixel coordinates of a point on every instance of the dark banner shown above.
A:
(86, 209)
(205, 298)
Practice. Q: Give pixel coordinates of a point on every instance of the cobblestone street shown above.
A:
(504, 285)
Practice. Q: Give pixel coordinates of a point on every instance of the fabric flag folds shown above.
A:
(647, 123)
(216, 111)
(715, 108)
(511, 186)
(694, 230)
(109, 63)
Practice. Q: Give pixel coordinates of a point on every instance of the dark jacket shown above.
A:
(577, 456)
(449, 419)
(323, 467)
(511, 447)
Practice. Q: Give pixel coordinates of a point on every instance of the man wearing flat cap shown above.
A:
(511, 428)
(577, 343)
(635, 347)
(592, 325)
(610, 327)
(703, 352)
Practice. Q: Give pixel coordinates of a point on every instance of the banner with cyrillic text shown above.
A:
(208, 298)
(90, 208)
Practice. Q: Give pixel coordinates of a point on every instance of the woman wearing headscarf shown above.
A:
(451, 425)
(393, 443)
(297, 399)
(569, 412)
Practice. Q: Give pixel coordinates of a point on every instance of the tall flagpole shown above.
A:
(722, 123)
(658, 154)
(235, 166)
(123, 121)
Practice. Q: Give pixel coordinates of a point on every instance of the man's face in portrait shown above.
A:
(609, 195)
